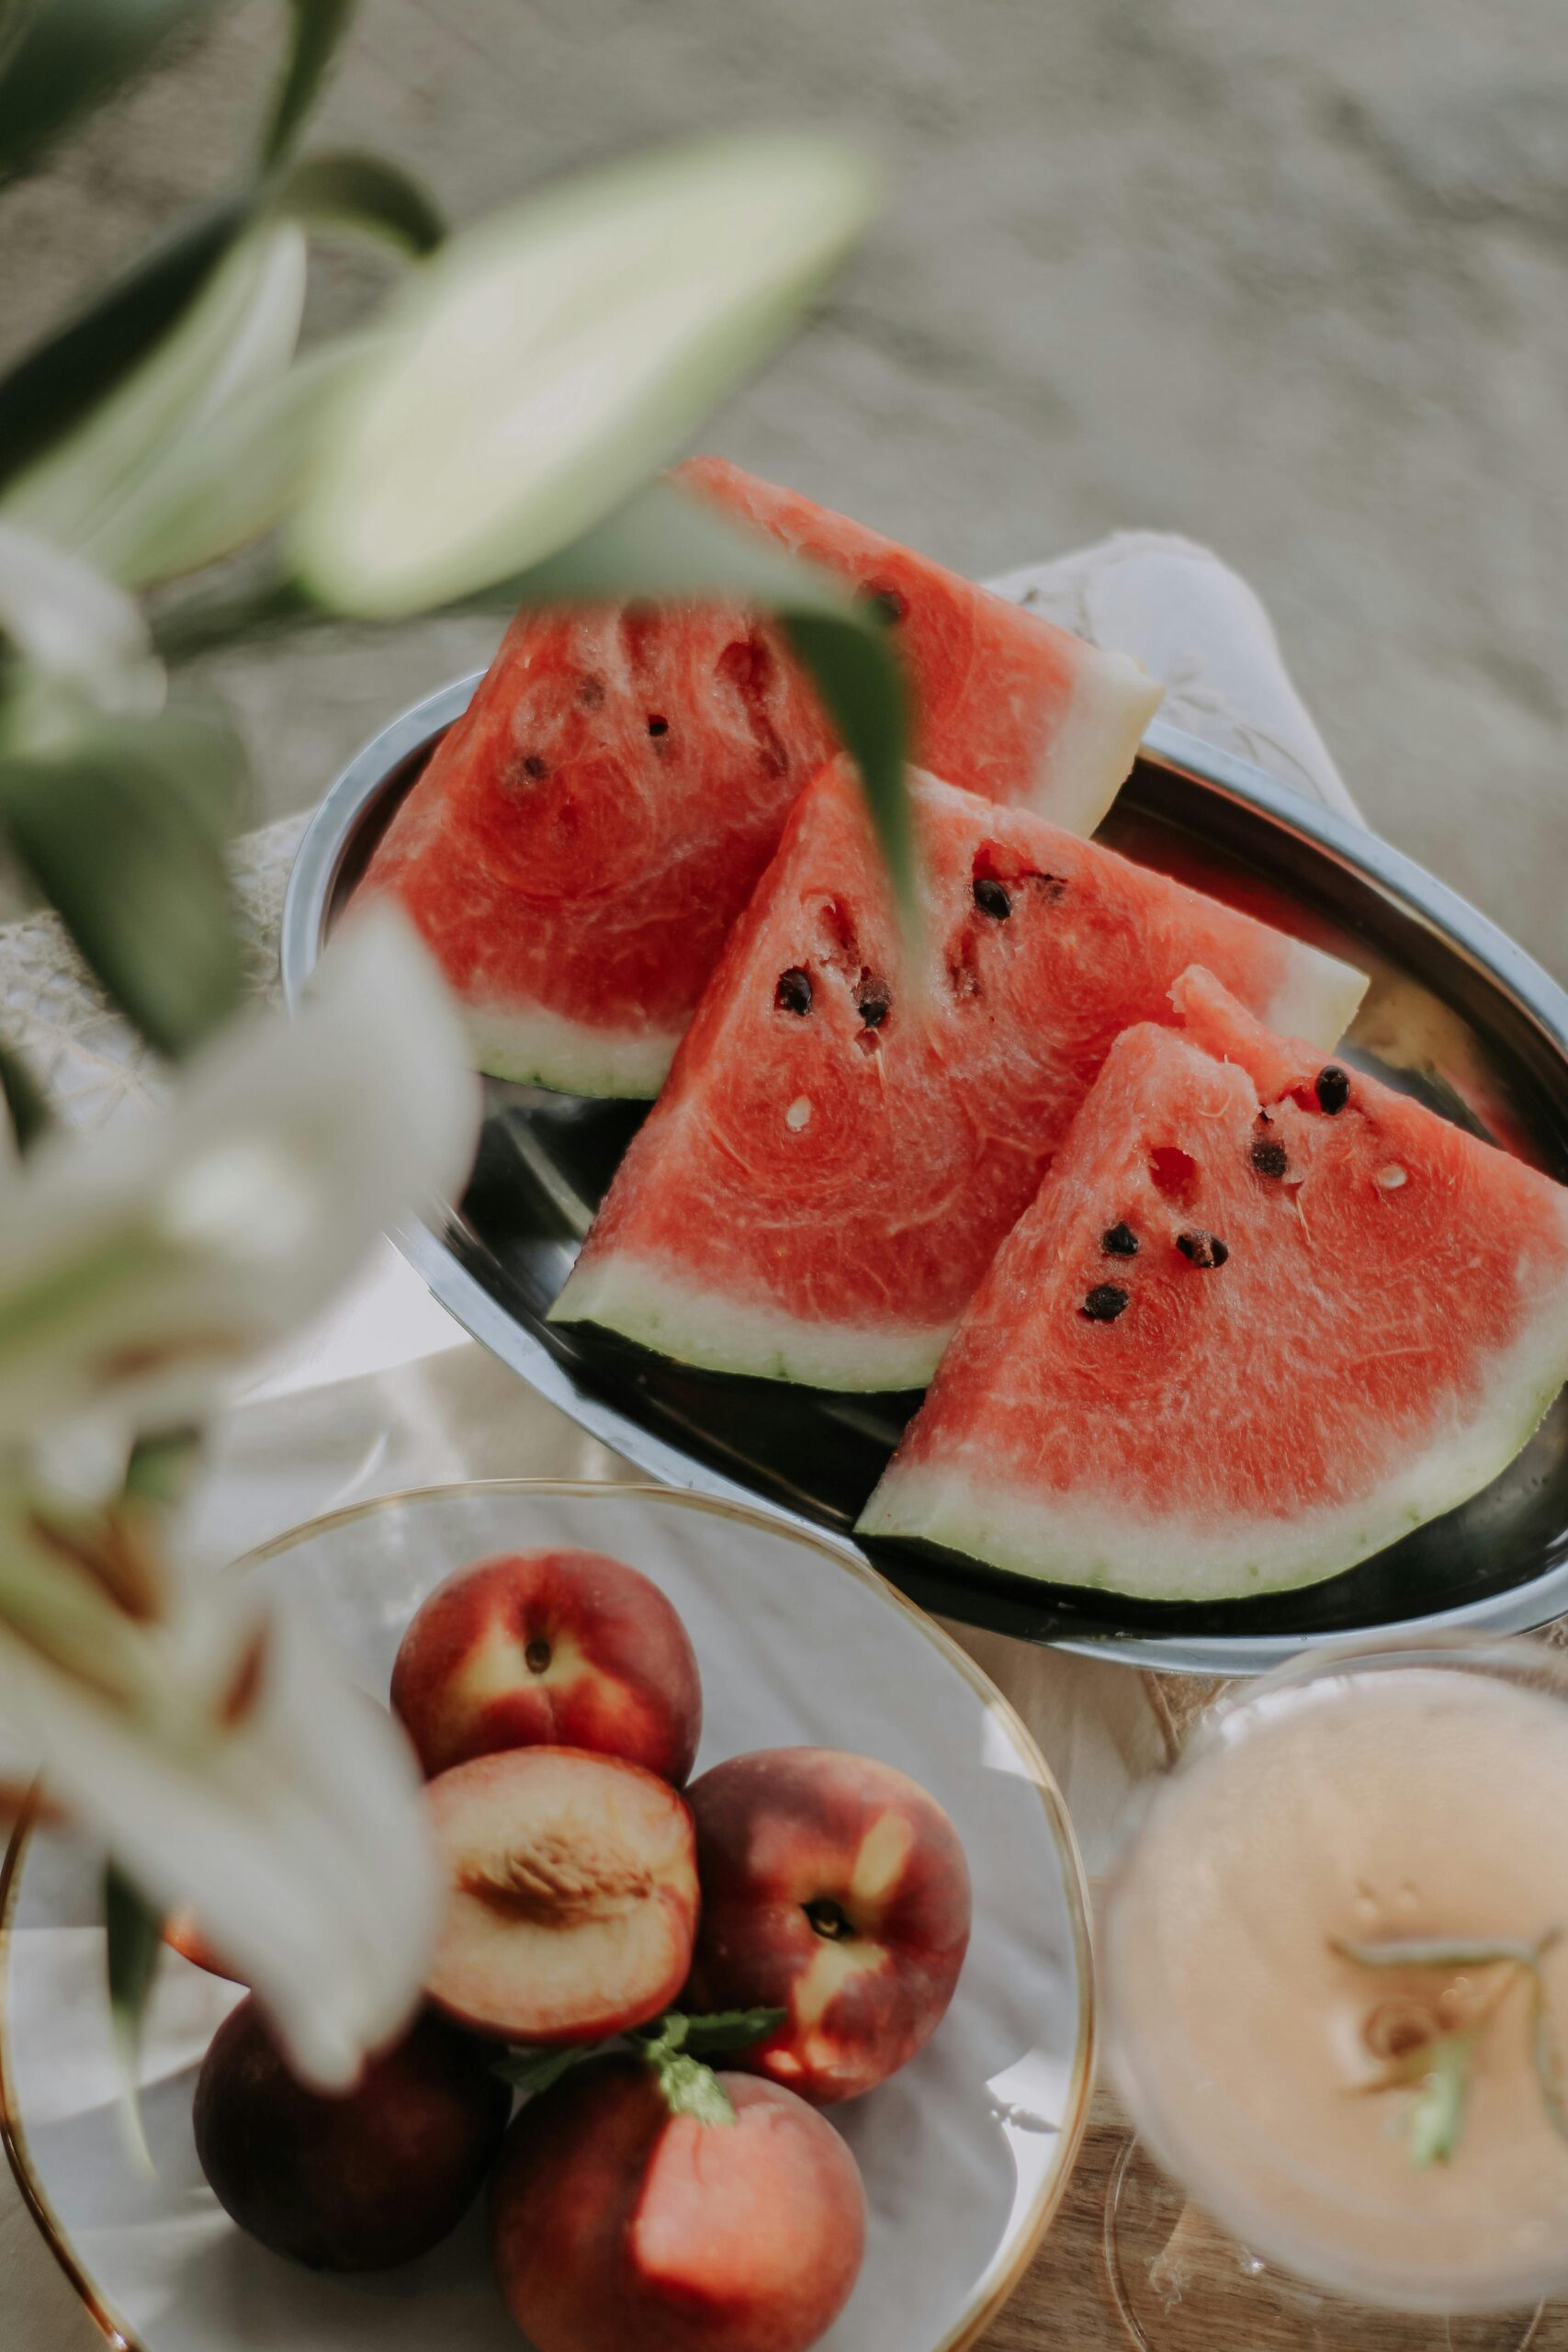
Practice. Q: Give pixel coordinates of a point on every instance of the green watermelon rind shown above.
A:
(534, 1047)
(623, 1291)
(1096, 1545)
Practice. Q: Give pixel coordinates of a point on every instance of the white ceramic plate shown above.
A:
(964, 2155)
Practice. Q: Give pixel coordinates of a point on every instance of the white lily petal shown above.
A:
(543, 363)
(240, 332)
(299, 1840)
(231, 479)
(69, 622)
(137, 1268)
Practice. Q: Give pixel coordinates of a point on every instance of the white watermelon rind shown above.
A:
(1091, 754)
(1094, 1543)
(1316, 999)
(622, 1291)
(533, 1047)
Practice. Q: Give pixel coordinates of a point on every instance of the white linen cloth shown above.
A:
(387, 1391)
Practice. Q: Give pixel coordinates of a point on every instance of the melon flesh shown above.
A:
(817, 1193)
(583, 837)
(1386, 1331)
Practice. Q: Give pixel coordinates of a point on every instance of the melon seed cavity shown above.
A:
(873, 1000)
(1119, 1241)
(1104, 1304)
(793, 993)
(1202, 1248)
(991, 898)
(1269, 1158)
(1333, 1089)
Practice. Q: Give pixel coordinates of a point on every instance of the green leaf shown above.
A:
(134, 1933)
(122, 830)
(536, 2070)
(318, 27)
(237, 335)
(723, 2031)
(26, 1102)
(666, 545)
(161, 1468)
(691, 2088)
(52, 388)
(230, 480)
(365, 192)
(1435, 2116)
(73, 55)
(548, 358)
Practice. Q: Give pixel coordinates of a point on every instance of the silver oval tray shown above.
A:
(1456, 1013)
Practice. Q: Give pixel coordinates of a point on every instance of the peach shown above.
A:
(355, 2183)
(835, 1889)
(572, 1894)
(549, 1649)
(616, 2223)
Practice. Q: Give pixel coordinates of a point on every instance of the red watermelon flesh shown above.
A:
(842, 1144)
(1381, 1331)
(581, 840)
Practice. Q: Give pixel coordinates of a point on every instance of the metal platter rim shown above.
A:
(320, 858)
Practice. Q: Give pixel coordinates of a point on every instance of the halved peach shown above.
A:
(573, 1899)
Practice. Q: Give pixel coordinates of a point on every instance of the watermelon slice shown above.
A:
(1264, 1317)
(839, 1149)
(584, 836)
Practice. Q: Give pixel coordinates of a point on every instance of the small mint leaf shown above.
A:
(1435, 2115)
(1546, 2056)
(1442, 1951)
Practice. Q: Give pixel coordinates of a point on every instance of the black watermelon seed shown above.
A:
(1104, 1303)
(793, 993)
(534, 766)
(1332, 1088)
(658, 726)
(1202, 1248)
(1119, 1241)
(1268, 1158)
(873, 1002)
(991, 898)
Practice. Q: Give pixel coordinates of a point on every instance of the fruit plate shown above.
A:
(964, 2155)
(1455, 1014)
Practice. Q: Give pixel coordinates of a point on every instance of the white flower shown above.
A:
(139, 1267)
(197, 1727)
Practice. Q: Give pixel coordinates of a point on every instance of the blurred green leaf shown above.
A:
(49, 390)
(134, 1933)
(666, 545)
(122, 829)
(161, 1468)
(545, 361)
(26, 1102)
(239, 334)
(317, 28)
(72, 55)
(365, 192)
(719, 2032)
(230, 480)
